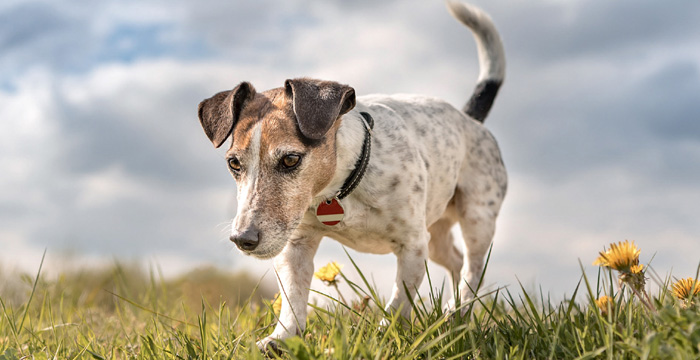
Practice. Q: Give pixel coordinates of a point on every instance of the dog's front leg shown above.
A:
(294, 268)
(409, 275)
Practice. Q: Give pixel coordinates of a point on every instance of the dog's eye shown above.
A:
(234, 164)
(291, 161)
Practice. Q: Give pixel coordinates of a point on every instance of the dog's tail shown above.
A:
(492, 60)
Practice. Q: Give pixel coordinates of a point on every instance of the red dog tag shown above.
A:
(330, 212)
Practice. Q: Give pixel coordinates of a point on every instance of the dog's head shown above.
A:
(281, 155)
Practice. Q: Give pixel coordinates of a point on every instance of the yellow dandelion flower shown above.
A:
(329, 272)
(605, 304)
(636, 269)
(682, 288)
(277, 303)
(623, 256)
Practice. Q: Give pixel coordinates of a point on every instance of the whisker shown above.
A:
(224, 227)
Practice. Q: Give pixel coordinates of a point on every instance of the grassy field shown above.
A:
(126, 313)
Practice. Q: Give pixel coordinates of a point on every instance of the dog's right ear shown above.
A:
(219, 114)
(318, 104)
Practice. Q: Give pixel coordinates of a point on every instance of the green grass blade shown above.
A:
(31, 295)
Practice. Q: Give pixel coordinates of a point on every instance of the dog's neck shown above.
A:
(349, 144)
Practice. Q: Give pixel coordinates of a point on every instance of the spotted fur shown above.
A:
(431, 167)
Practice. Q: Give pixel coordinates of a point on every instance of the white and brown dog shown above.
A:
(380, 174)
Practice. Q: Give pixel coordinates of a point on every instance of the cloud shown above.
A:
(101, 150)
(105, 162)
(581, 114)
(77, 36)
(35, 31)
(550, 31)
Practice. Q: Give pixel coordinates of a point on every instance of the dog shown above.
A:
(380, 174)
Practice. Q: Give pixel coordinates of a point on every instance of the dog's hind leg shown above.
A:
(443, 251)
(477, 213)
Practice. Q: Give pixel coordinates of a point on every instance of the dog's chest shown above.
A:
(364, 241)
(367, 227)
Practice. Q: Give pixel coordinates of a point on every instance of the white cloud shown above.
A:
(107, 157)
(108, 186)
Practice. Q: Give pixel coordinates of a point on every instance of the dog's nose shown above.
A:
(247, 240)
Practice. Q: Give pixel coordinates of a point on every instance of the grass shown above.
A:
(123, 313)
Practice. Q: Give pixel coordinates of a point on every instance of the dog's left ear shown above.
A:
(219, 114)
(318, 104)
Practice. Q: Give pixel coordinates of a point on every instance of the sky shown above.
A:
(103, 157)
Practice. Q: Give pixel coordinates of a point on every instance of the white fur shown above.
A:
(491, 53)
(409, 214)
(431, 167)
(247, 186)
(248, 213)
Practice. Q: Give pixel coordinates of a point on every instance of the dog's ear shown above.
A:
(219, 114)
(318, 104)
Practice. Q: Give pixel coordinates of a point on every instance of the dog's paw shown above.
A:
(452, 310)
(398, 321)
(384, 324)
(269, 346)
(449, 307)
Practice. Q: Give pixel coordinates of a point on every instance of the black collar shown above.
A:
(361, 166)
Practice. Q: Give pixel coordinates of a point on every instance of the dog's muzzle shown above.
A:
(247, 240)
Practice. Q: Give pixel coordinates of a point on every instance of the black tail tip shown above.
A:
(480, 103)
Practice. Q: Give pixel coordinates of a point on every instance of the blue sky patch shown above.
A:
(128, 43)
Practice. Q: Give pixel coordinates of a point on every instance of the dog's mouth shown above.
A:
(267, 249)
(261, 245)
(264, 238)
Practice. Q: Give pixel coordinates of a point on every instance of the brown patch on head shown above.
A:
(287, 194)
(250, 116)
(281, 135)
(277, 196)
